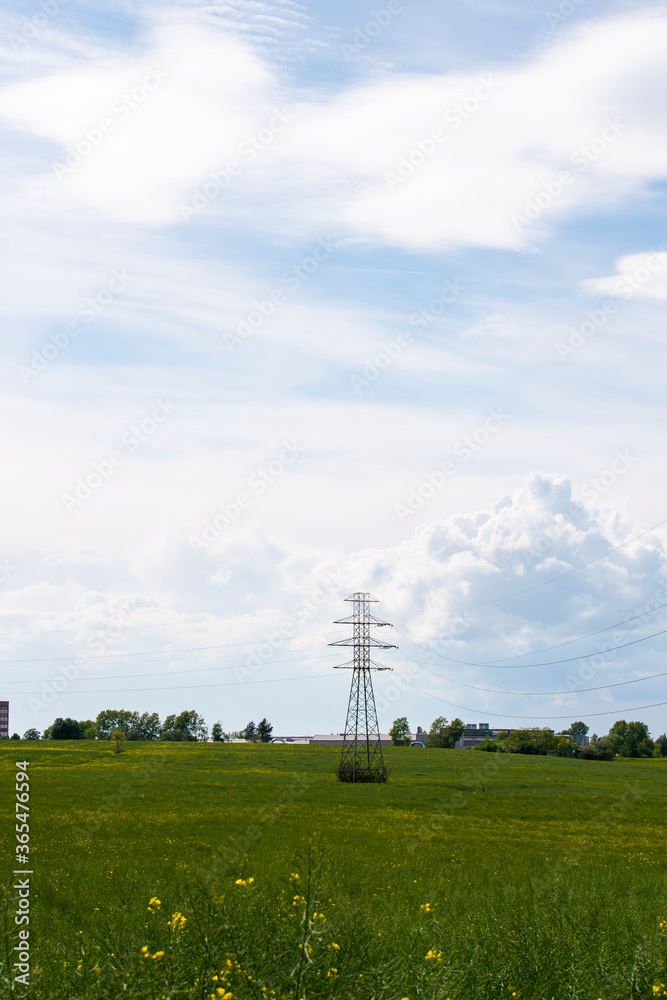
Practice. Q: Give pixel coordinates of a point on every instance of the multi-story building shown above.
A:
(4, 720)
(475, 733)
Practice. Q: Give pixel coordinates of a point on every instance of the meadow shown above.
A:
(247, 872)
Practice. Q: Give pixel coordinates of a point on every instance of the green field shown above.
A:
(469, 876)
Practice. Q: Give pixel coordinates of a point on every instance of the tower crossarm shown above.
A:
(367, 641)
(369, 620)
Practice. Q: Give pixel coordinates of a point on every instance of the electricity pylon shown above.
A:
(361, 757)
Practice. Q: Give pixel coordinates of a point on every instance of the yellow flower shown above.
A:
(425, 907)
(333, 946)
(158, 954)
(178, 921)
(433, 956)
(154, 902)
(332, 974)
(244, 881)
(294, 877)
(144, 948)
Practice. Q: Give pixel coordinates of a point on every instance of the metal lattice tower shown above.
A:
(361, 757)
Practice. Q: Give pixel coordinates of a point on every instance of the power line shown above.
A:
(534, 718)
(553, 579)
(150, 652)
(200, 621)
(189, 687)
(535, 694)
(549, 663)
(567, 642)
(161, 673)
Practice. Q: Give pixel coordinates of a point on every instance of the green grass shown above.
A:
(544, 877)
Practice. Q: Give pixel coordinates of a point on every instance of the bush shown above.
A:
(596, 751)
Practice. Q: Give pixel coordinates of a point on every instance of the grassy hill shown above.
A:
(468, 875)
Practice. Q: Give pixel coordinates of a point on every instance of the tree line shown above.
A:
(442, 734)
(187, 726)
(624, 739)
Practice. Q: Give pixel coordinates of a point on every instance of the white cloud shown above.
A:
(544, 116)
(640, 274)
(173, 114)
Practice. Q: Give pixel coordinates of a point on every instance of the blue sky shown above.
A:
(381, 289)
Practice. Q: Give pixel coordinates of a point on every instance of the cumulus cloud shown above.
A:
(471, 588)
(453, 580)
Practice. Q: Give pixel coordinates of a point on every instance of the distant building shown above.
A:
(337, 739)
(291, 739)
(476, 733)
(4, 720)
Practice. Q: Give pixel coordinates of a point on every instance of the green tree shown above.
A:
(250, 732)
(533, 741)
(659, 750)
(445, 734)
(455, 731)
(188, 726)
(489, 745)
(577, 729)
(90, 730)
(65, 729)
(216, 733)
(264, 730)
(400, 732)
(15, 736)
(436, 732)
(117, 718)
(149, 726)
(32, 734)
(119, 736)
(597, 750)
(630, 739)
